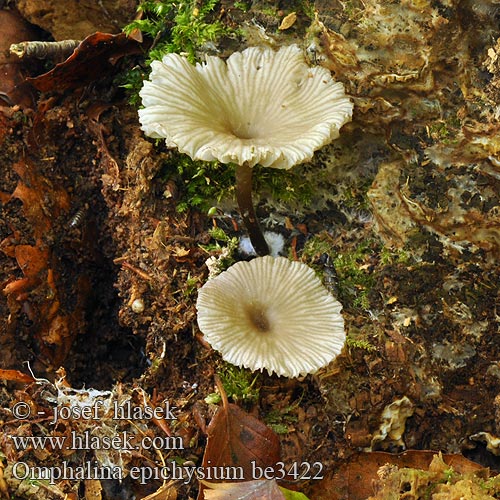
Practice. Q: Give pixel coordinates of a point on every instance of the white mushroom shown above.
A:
(271, 313)
(259, 107)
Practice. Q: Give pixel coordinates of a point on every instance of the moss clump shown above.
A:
(181, 27)
(359, 343)
(287, 186)
(222, 251)
(348, 274)
(203, 184)
(355, 276)
(445, 131)
(177, 27)
(240, 384)
(281, 420)
(398, 256)
(243, 6)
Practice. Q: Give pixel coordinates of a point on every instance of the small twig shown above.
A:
(137, 271)
(44, 50)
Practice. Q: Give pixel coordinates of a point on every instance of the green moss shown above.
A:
(177, 27)
(280, 420)
(388, 256)
(268, 10)
(279, 428)
(288, 186)
(240, 384)
(353, 9)
(224, 247)
(445, 131)
(362, 344)
(191, 285)
(203, 184)
(354, 197)
(182, 27)
(308, 9)
(491, 484)
(218, 234)
(243, 6)
(351, 273)
(214, 398)
(351, 269)
(355, 277)
(440, 481)
(316, 246)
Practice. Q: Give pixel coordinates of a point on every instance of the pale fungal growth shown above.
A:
(138, 306)
(273, 314)
(259, 107)
(275, 243)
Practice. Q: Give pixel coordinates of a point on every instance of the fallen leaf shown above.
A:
(38, 293)
(32, 261)
(180, 252)
(91, 60)
(93, 489)
(15, 375)
(235, 438)
(354, 479)
(288, 21)
(42, 201)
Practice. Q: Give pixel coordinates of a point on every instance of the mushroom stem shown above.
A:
(244, 198)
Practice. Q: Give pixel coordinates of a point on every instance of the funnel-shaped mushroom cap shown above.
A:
(260, 106)
(271, 313)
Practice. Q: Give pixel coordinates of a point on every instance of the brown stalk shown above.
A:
(244, 198)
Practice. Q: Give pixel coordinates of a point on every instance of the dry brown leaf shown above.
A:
(92, 59)
(180, 252)
(248, 490)
(93, 489)
(32, 199)
(38, 289)
(42, 201)
(354, 480)
(4, 197)
(15, 375)
(236, 439)
(288, 21)
(32, 261)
